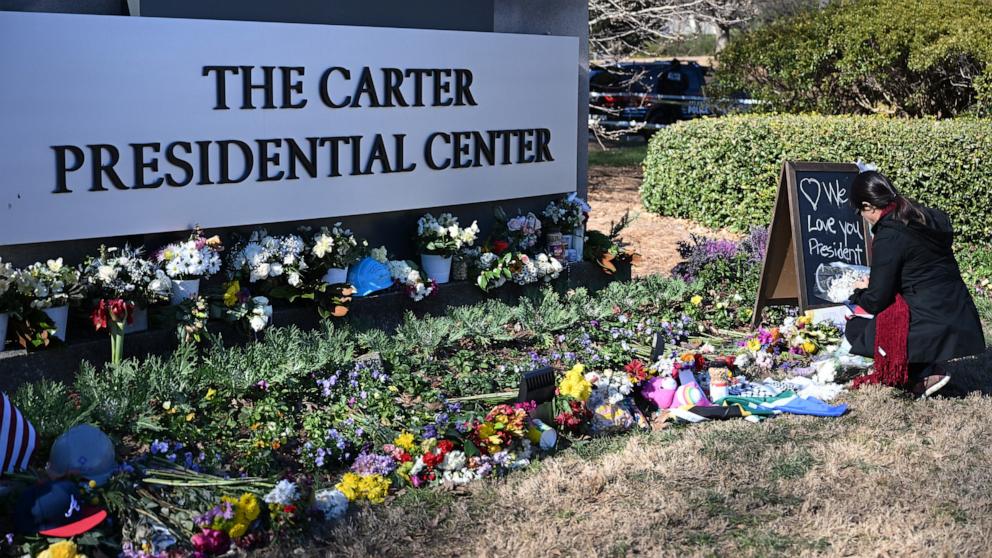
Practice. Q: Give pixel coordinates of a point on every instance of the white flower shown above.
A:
(453, 460)
(106, 273)
(275, 269)
(742, 360)
(294, 279)
(284, 493)
(54, 265)
(826, 371)
(322, 245)
(379, 254)
(330, 502)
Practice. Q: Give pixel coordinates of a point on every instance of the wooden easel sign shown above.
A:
(813, 225)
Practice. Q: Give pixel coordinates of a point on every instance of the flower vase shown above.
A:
(336, 275)
(4, 318)
(567, 240)
(459, 269)
(578, 242)
(437, 267)
(59, 316)
(183, 289)
(139, 321)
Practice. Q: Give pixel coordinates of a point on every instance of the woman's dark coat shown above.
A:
(917, 261)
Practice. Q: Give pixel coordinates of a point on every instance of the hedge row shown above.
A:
(723, 172)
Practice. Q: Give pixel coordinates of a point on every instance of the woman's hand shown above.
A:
(861, 283)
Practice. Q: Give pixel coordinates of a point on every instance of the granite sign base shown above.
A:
(384, 310)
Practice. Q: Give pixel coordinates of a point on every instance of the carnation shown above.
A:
(284, 493)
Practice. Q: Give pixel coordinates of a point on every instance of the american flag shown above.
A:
(17, 437)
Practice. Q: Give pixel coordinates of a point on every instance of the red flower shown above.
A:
(289, 509)
(111, 310)
(432, 460)
(700, 361)
(404, 457)
(635, 369)
(444, 446)
(500, 246)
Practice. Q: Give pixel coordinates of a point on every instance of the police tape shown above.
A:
(677, 99)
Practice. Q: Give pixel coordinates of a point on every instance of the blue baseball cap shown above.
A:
(55, 509)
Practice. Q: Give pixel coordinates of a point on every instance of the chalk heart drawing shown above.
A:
(808, 185)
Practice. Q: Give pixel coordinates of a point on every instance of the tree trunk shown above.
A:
(722, 38)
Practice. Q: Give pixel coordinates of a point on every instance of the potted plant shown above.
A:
(332, 251)
(570, 214)
(187, 262)
(49, 287)
(438, 240)
(124, 284)
(270, 265)
(8, 276)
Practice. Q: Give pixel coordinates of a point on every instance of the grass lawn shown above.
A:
(893, 477)
(619, 156)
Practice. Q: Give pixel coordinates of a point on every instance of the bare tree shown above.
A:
(624, 27)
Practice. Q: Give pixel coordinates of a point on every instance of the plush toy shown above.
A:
(660, 391)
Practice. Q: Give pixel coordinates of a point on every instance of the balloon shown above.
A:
(84, 450)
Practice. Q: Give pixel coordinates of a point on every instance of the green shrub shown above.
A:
(920, 58)
(724, 172)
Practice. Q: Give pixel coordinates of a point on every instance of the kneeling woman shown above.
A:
(924, 314)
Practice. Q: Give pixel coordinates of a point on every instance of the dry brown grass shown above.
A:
(892, 478)
(613, 190)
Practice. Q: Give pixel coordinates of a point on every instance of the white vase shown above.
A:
(578, 243)
(139, 321)
(4, 318)
(336, 275)
(437, 267)
(60, 317)
(183, 289)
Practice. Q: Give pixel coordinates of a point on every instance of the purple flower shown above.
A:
(158, 447)
(263, 385)
(373, 464)
(430, 431)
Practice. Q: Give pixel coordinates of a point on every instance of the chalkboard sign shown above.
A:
(813, 227)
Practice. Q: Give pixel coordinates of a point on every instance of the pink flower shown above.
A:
(211, 542)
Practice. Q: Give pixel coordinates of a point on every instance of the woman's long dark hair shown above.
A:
(874, 188)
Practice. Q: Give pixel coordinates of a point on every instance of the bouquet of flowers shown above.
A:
(8, 276)
(795, 339)
(443, 236)
(495, 271)
(49, 285)
(519, 233)
(405, 273)
(336, 247)
(568, 213)
(195, 258)
(254, 312)
(413, 281)
(266, 257)
(124, 274)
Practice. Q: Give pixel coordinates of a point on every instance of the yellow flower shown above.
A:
(349, 486)
(809, 347)
(231, 294)
(753, 345)
(696, 300)
(167, 405)
(210, 394)
(61, 549)
(190, 416)
(92, 484)
(249, 504)
(238, 530)
(404, 440)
